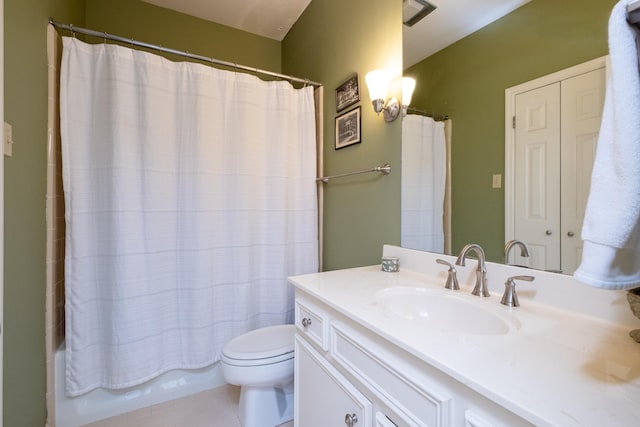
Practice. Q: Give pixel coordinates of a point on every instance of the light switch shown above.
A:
(497, 181)
(8, 139)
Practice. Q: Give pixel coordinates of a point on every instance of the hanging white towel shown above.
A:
(611, 254)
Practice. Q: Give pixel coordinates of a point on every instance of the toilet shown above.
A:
(261, 363)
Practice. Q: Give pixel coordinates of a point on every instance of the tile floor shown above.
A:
(211, 408)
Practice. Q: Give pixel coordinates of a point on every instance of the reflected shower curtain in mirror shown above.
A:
(190, 197)
(424, 165)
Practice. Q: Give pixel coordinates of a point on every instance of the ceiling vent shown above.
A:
(414, 10)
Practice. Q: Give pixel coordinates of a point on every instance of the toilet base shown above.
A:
(265, 406)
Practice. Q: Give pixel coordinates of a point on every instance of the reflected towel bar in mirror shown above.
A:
(385, 169)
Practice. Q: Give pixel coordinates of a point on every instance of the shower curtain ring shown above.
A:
(73, 33)
(104, 35)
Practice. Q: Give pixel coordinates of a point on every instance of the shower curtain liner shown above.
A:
(424, 171)
(190, 197)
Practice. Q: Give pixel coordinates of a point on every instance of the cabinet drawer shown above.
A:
(323, 397)
(312, 323)
(420, 401)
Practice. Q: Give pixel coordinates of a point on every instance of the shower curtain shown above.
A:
(190, 197)
(424, 167)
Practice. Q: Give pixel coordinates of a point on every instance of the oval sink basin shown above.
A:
(443, 312)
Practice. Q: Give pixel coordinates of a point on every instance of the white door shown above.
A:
(537, 176)
(582, 102)
(556, 132)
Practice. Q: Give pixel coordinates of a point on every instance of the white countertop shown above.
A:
(561, 367)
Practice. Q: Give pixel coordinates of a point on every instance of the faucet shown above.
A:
(480, 289)
(524, 250)
(510, 297)
(452, 279)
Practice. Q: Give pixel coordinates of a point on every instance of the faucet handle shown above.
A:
(510, 297)
(452, 278)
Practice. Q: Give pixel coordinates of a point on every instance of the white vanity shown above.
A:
(397, 349)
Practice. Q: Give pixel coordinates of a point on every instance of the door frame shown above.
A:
(1, 211)
(509, 131)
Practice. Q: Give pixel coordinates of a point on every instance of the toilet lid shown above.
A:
(261, 343)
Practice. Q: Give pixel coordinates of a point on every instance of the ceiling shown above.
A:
(451, 21)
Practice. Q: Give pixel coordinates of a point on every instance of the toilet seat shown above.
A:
(261, 362)
(265, 346)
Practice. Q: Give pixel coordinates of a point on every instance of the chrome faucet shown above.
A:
(524, 250)
(510, 297)
(452, 279)
(480, 288)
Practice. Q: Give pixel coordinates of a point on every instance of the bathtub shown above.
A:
(101, 403)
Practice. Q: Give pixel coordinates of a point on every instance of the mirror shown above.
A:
(467, 81)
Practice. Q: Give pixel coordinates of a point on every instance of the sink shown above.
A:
(441, 311)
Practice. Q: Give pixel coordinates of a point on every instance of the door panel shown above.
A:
(582, 102)
(537, 163)
(569, 102)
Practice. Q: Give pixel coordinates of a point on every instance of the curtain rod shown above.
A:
(73, 29)
(434, 116)
(385, 169)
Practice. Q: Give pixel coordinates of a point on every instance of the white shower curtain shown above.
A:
(424, 167)
(190, 197)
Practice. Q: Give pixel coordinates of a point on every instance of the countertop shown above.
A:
(555, 366)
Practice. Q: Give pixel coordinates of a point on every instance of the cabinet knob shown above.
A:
(350, 420)
(306, 322)
(548, 233)
(570, 234)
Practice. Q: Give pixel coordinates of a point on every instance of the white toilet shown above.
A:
(261, 363)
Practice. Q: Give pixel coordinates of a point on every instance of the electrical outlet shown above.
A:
(497, 181)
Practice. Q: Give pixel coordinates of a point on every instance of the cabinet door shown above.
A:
(323, 397)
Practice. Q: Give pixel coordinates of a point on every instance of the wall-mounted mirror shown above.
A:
(467, 79)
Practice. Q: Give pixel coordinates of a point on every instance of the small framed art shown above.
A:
(348, 128)
(348, 93)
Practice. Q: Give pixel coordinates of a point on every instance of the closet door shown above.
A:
(582, 100)
(537, 176)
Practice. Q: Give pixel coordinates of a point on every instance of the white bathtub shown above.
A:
(101, 403)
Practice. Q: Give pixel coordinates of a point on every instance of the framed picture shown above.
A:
(348, 93)
(348, 128)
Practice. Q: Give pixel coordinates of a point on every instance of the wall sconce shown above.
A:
(408, 85)
(378, 84)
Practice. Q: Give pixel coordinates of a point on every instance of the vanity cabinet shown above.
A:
(348, 375)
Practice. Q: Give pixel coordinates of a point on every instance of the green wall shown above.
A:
(332, 40)
(467, 81)
(25, 88)
(145, 22)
